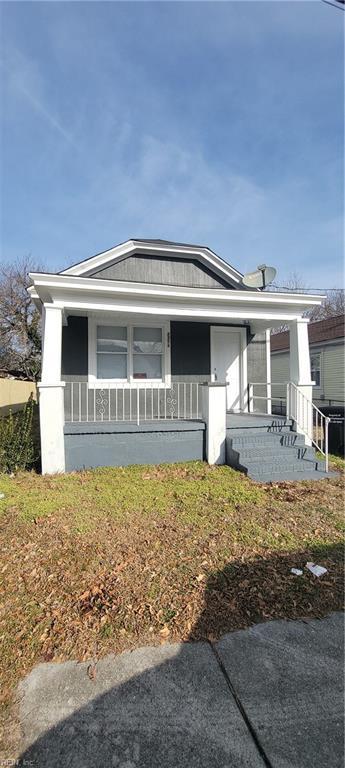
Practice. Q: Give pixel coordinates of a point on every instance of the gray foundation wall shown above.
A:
(114, 445)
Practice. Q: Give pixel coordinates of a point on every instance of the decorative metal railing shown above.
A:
(135, 403)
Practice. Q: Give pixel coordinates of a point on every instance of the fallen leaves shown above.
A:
(161, 576)
(91, 671)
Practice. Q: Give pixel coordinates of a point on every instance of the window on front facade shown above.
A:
(315, 366)
(112, 352)
(133, 352)
(147, 353)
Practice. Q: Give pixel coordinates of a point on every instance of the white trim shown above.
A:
(43, 385)
(243, 359)
(52, 416)
(213, 408)
(51, 285)
(268, 372)
(205, 255)
(318, 388)
(130, 381)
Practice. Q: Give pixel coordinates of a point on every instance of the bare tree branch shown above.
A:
(20, 322)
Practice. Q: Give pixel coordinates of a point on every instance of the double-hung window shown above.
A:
(124, 353)
(147, 350)
(112, 352)
(315, 368)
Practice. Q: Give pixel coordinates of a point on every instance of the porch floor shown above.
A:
(109, 427)
(252, 420)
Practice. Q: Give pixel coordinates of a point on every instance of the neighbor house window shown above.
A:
(315, 366)
(132, 352)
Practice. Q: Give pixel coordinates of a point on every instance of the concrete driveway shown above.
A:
(271, 695)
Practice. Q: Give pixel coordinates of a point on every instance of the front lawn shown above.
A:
(109, 559)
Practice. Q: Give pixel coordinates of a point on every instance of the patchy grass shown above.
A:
(194, 489)
(111, 559)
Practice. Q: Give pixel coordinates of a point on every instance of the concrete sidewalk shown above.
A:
(271, 695)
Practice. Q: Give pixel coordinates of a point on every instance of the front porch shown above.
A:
(179, 356)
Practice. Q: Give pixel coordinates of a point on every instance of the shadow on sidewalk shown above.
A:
(171, 705)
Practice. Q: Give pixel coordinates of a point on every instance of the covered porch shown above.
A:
(125, 354)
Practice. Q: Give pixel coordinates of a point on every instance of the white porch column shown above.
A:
(268, 371)
(51, 394)
(213, 408)
(301, 405)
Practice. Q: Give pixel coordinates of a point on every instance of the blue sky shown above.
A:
(214, 123)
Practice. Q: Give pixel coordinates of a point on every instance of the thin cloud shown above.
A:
(18, 76)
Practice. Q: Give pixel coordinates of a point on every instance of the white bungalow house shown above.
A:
(156, 351)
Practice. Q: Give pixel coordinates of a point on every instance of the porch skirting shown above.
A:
(119, 444)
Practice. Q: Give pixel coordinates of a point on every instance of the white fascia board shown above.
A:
(131, 246)
(59, 286)
(170, 310)
(175, 308)
(100, 259)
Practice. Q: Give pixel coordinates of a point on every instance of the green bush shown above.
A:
(16, 439)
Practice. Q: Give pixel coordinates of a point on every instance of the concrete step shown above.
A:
(299, 465)
(271, 453)
(271, 429)
(280, 477)
(256, 421)
(267, 439)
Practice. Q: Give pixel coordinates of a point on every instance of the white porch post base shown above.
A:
(51, 402)
(303, 424)
(300, 376)
(213, 405)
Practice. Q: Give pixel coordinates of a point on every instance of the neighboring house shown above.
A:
(327, 361)
(145, 348)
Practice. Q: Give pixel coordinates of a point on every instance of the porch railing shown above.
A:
(298, 407)
(134, 403)
(311, 421)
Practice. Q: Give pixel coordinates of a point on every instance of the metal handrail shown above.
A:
(306, 414)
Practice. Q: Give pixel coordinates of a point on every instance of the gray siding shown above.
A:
(190, 349)
(257, 367)
(163, 271)
(74, 360)
(280, 374)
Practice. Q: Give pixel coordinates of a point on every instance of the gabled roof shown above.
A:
(156, 247)
(322, 330)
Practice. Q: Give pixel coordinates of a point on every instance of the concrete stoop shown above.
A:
(268, 450)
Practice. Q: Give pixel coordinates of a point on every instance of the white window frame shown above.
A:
(130, 381)
(318, 352)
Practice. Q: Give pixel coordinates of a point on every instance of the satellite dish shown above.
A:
(262, 277)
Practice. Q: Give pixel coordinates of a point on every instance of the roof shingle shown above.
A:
(322, 330)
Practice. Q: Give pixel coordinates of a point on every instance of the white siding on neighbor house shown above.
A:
(332, 371)
(280, 372)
